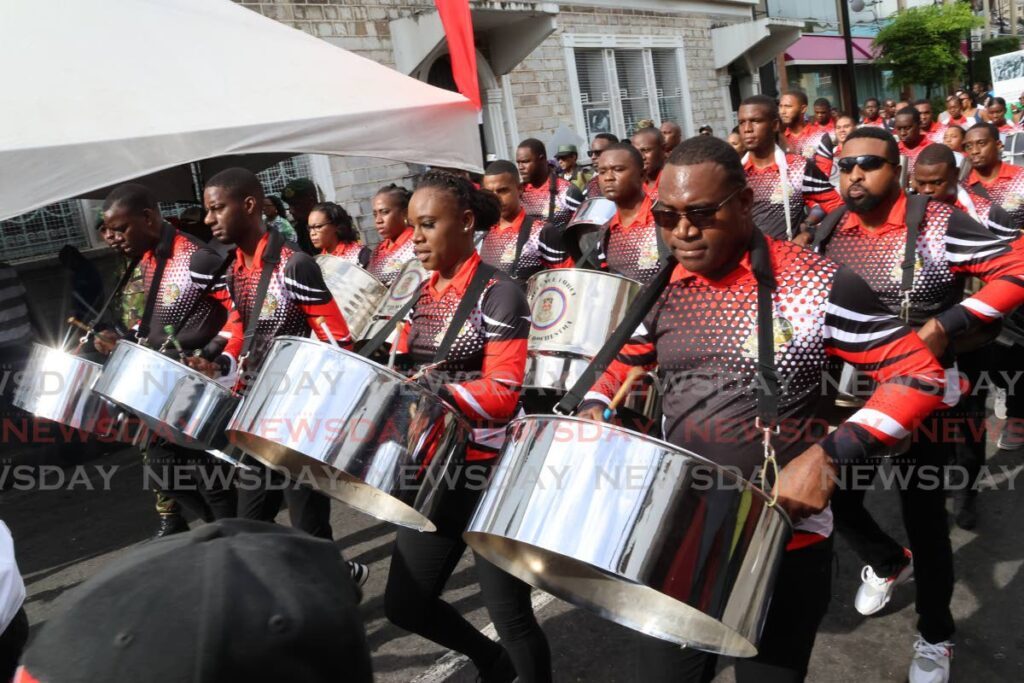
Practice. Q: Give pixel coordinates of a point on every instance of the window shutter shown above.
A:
(595, 95)
(670, 92)
(633, 93)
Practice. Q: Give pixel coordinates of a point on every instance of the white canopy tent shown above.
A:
(97, 92)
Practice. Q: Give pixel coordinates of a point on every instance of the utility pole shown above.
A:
(851, 77)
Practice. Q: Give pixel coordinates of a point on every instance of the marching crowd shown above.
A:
(879, 244)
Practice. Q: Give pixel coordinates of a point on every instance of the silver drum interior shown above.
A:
(58, 386)
(402, 289)
(353, 429)
(643, 533)
(574, 311)
(174, 401)
(356, 292)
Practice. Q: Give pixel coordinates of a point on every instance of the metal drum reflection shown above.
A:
(402, 289)
(356, 292)
(639, 531)
(355, 430)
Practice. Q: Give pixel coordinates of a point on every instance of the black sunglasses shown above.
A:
(699, 218)
(594, 153)
(867, 162)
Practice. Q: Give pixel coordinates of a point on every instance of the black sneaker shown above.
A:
(171, 524)
(501, 670)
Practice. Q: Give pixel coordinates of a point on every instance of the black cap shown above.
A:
(235, 600)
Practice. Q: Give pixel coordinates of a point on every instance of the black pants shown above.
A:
(421, 564)
(980, 367)
(12, 642)
(196, 479)
(308, 510)
(799, 603)
(923, 504)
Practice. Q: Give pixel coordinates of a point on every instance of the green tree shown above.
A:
(921, 46)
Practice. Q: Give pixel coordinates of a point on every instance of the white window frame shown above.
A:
(609, 43)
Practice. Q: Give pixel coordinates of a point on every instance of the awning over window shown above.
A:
(758, 41)
(510, 35)
(828, 50)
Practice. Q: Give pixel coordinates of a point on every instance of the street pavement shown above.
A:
(64, 536)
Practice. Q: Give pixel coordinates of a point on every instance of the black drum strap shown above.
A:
(162, 253)
(916, 206)
(640, 307)
(377, 341)
(767, 389)
(483, 275)
(214, 279)
(521, 239)
(271, 257)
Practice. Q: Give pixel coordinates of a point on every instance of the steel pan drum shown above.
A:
(356, 292)
(176, 402)
(407, 284)
(573, 311)
(588, 219)
(355, 430)
(58, 386)
(639, 531)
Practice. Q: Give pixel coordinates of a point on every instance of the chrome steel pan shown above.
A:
(639, 531)
(176, 402)
(58, 386)
(353, 429)
(405, 286)
(588, 219)
(356, 292)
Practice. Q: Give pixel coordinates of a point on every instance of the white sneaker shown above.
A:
(875, 591)
(931, 661)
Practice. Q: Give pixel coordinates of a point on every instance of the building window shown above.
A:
(44, 231)
(619, 87)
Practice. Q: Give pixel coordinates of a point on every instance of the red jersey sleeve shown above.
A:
(304, 281)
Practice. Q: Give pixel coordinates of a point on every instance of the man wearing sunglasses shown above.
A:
(629, 244)
(907, 127)
(785, 185)
(600, 144)
(701, 334)
(924, 283)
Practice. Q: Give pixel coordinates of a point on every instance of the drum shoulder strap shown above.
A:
(214, 279)
(521, 239)
(481, 277)
(917, 205)
(271, 257)
(163, 252)
(376, 341)
(600, 244)
(826, 228)
(767, 389)
(979, 189)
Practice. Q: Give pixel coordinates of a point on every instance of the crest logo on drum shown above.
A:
(548, 308)
(406, 285)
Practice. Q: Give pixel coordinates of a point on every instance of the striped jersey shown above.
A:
(483, 372)
(536, 201)
(807, 185)
(950, 248)
(295, 299)
(1006, 190)
(702, 336)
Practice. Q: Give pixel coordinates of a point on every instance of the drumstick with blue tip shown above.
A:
(634, 374)
(322, 322)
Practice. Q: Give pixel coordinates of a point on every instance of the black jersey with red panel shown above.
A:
(388, 257)
(702, 335)
(536, 201)
(950, 248)
(180, 287)
(631, 250)
(499, 247)
(1006, 190)
(296, 297)
(483, 372)
(806, 185)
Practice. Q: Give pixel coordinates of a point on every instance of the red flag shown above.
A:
(458, 29)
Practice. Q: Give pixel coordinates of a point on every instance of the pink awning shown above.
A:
(812, 49)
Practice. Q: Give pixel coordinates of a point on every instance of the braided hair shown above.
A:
(399, 195)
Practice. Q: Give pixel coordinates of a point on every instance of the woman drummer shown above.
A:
(331, 232)
(390, 217)
(488, 359)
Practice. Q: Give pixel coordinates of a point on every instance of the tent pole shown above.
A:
(198, 182)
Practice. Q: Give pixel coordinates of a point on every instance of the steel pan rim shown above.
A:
(564, 271)
(67, 354)
(194, 374)
(453, 410)
(355, 266)
(657, 442)
(481, 542)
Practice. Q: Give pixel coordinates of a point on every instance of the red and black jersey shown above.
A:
(988, 213)
(537, 200)
(180, 287)
(805, 144)
(593, 189)
(484, 370)
(353, 252)
(651, 186)
(702, 335)
(807, 185)
(877, 122)
(389, 256)
(499, 247)
(825, 153)
(950, 247)
(911, 153)
(295, 298)
(631, 250)
(1006, 190)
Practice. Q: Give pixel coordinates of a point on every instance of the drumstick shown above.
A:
(634, 374)
(394, 346)
(322, 322)
(425, 369)
(79, 324)
(169, 331)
